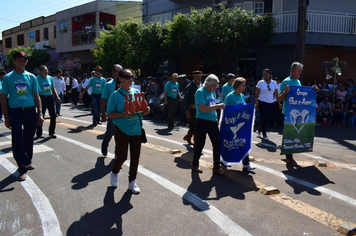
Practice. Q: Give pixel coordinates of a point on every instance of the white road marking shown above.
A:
(48, 217)
(224, 222)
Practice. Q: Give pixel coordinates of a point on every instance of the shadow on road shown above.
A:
(106, 220)
(199, 192)
(6, 182)
(310, 175)
(99, 171)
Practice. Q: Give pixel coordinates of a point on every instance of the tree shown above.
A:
(36, 57)
(133, 45)
(218, 37)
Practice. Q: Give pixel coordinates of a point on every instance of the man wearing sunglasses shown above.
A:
(97, 83)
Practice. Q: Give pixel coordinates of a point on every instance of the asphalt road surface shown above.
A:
(69, 192)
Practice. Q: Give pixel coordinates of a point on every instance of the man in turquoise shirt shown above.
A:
(97, 83)
(295, 72)
(171, 95)
(47, 94)
(109, 88)
(19, 111)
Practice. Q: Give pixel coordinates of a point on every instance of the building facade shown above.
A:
(331, 32)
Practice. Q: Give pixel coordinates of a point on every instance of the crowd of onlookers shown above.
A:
(336, 106)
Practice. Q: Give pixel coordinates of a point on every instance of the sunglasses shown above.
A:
(269, 89)
(128, 76)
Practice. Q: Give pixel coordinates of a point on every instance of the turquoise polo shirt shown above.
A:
(203, 96)
(129, 125)
(46, 85)
(232, 99)
(20, 89)
(226, 89)
(109, 88)
(288, 81)
(97, 84)
(172, 89)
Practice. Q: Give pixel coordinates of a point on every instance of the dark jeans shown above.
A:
(172, 104)
(192, 120)
(75, 96)
(122, 141)
(266, 110)
(23, 127)
(211, 128)
(86, 99)
(110, 131)
(48, 103)
(58, 105)
(96, 104)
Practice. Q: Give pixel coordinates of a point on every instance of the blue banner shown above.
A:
(299, 120)
(236, 127)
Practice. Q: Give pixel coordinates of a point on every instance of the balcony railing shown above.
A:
(83, 37)
(319, 22)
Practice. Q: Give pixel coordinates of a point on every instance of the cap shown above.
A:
(175, 75)
(19, 54)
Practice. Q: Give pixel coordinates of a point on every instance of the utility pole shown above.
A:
(301, 32)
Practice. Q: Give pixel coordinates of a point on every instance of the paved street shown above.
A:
(69, 192)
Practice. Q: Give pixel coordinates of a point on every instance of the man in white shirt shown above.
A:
(87, 94)
(74, 90)
(60, 86)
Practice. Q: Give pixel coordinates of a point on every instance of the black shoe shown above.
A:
(52, 136)
(99, 122)
(21, 177)
(39, 136)
(31, 167)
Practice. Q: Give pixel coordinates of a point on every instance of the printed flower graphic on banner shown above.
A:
(21, 88)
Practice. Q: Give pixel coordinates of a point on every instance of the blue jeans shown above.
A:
(58, 105)
(23, 127)
(110, 131)
(96, 102)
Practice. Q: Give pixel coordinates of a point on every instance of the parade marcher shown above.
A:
(109, 88)
(189, 105)
(74, 90)
(171, 96)
(60, 86)
(293, 79)
(2, 74)
(47, 94)
(236, 98)
(128, 130)
(266, 89)
(227, 88)
(87, 94)
(97, 83)
(206, 123)
(22, 112)
(67, 82)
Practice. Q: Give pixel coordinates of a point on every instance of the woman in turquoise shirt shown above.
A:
(206, 123)
(127, 130)
(227, 88)
(237, 98)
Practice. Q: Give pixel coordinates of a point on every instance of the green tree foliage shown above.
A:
(133, 45)
(218, 37)
(36, 57)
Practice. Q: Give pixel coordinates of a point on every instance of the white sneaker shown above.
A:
(248, 167)
(266, 138)
(259, 135)
(113, 179)
(225, 163)
(133, 187)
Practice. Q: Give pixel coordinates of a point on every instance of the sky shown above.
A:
(14, 12)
